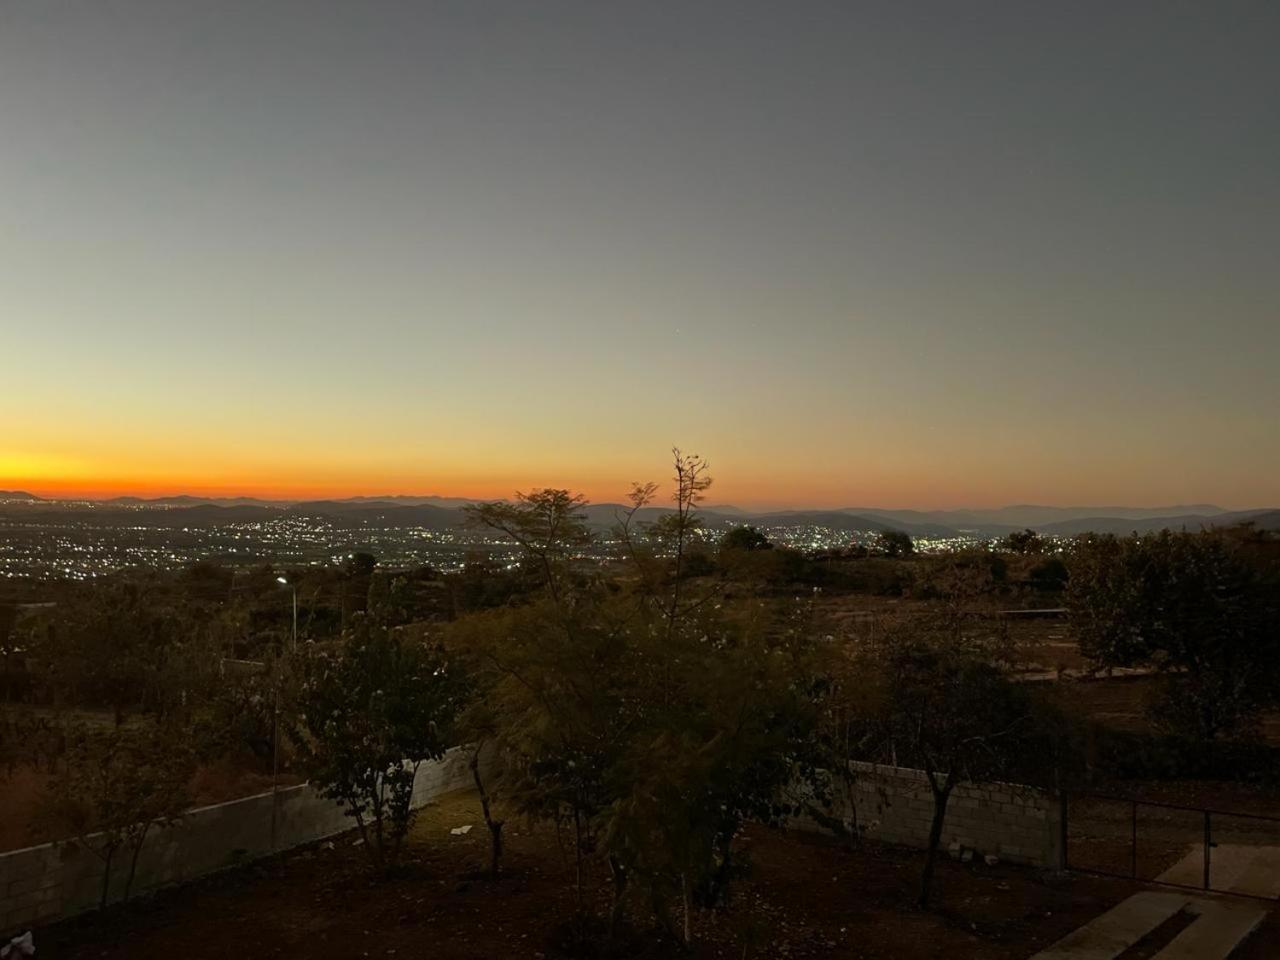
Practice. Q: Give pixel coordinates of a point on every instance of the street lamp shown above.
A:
(284, 582)
(275, 717)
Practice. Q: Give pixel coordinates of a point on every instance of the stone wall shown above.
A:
(55, 880)
(895, 805)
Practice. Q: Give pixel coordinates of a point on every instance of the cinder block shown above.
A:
(26, 902)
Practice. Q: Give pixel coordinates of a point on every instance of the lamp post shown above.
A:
(275, 712)
(284, 582)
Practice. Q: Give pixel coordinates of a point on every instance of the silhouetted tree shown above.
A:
(1023, 541)
(745, 538)
(895, 543)
(1050, 574)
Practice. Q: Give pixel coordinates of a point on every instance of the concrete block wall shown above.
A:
(895, 805)
(56, 880)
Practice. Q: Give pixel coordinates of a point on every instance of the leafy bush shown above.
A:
(116, 785)
(373, 711)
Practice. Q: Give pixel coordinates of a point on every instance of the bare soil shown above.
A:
(806, 897)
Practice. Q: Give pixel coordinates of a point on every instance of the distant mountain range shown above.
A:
(18, 495)
(442, 513)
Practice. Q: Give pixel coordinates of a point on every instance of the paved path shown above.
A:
(1116, 930)
(1218, 927)
(1233, 868)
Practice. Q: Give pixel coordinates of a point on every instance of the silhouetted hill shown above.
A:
(606, 516)
(178, 517)
(1004, 519)
(379, 514)
(410, 500)
(19, 495)
(186, 500)
(442, 513)
(727, 510)
(1122, 526)
(1262, 520)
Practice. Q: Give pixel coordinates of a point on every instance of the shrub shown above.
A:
(373, 711)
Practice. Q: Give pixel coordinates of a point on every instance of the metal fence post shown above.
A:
(1208, 842)
(1133, 842)
(1063, 862)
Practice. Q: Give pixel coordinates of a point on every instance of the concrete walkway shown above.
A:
(1116, 930)
(1233, 868)
(1218, 928)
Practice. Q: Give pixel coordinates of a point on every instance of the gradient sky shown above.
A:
(894, 254)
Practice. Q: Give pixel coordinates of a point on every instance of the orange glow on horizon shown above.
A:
(914, 479)
(596, 489)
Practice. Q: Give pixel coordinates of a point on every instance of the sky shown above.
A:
(853, 253)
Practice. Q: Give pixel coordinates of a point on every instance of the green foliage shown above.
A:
(746, 556)
(373, 711)
(946, 707)
(242, 715)
(970, 578)
(128, 645)
(546, 524)
(1191, 606)
(590, 681)
(483, 585)
(116, 785)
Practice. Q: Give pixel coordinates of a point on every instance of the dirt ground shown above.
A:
(806, 897)
(22, 792)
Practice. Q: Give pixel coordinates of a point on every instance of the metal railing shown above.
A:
(1204, 818)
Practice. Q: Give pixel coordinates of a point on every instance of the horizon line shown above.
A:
(99, 496)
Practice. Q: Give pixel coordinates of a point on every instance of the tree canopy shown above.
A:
(1196, 608)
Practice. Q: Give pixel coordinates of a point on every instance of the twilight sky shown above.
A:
(895, 254)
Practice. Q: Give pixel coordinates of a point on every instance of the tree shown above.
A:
(842, 732)
(731, 722)
(547, 525)
(118, 784)
(10, 649)
(551, 718)
(895, 543)
(947, 709)
(359, 565)
(1024, 542)
(746, 555)
(373, 711)
(724, 697)
(1193, 607)
(128, 645)
(469, 641)
(1050, 575)
(745, 538)
(589, 679)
